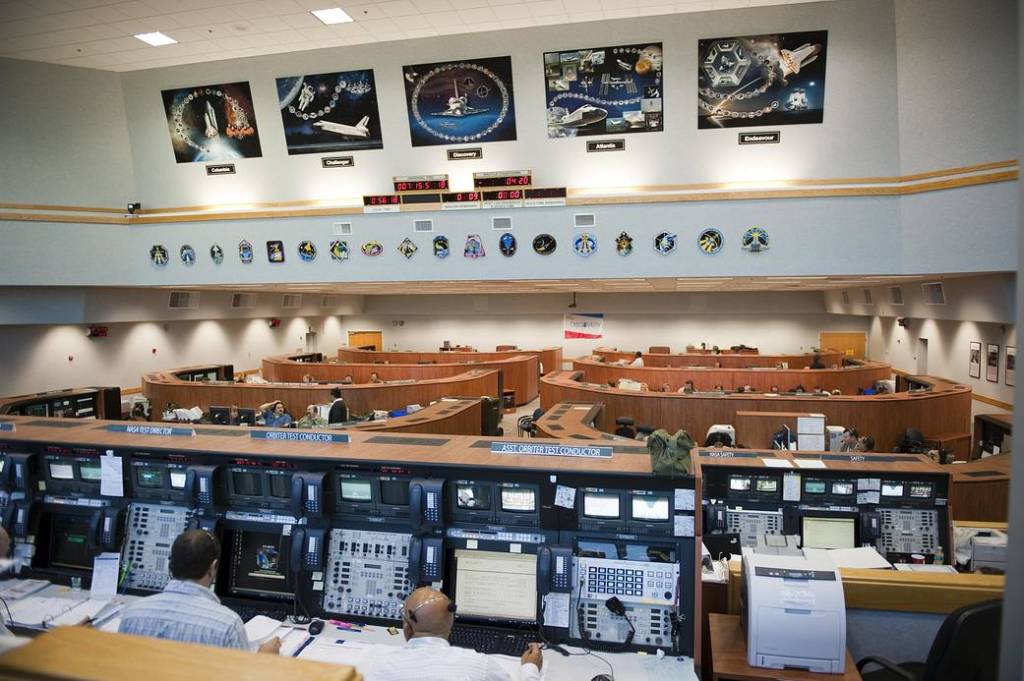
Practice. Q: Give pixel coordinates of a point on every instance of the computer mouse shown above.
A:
(602, 677)
(316, 626)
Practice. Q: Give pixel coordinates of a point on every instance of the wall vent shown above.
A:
(868, 300)
(501, 224)
(329, 301)
(584, 220)
(243, 300)
(291, 300)
(183, 300)
(896, 295)
(846, 297)
(423, 225)
(934, 294)
(341, 228)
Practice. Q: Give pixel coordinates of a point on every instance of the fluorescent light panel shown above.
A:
(334, 15)
(156, 39)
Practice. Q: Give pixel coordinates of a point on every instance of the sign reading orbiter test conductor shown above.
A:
(458, 102)
(211, 123)
(330, 112)
(749, 81)
(601, 90)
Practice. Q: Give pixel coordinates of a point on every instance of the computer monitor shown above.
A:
(651, 508)
(828, 533)
(359, 490)
(599, 505)
(496, 586)
(259, 564)
(247, 416)
(220, 415)
(518, 499)
(150, 477)
(473, 496)
(89, 472)
(69, 545)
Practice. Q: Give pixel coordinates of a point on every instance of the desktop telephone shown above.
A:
(307, 494)
(307, 549)
(199, 486)
(104, 526)
(425, 505)
(554, 570)
(426, 560)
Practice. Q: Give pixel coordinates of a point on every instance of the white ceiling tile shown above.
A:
(426, 6)
(317, 33)
(135, 9)
(110, 13)
(52, 54)
(581, 17)
(546, 8)
(398, 8)
(693, 5)
(519, 22)
(617, 4)
(729, 4)
(378, 26)
(468, 4)
(480, 15)
(487, 26)
(351, 32)
(303, 20)
(515, 11)
(661, 7)
(410, 23)
(623, 13)
(363, 11)
(258, 40)
(287, 36)
(443, 21)
(422, 31)
(551, 19)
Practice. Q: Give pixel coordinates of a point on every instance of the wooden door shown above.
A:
(850, 344)
(366, 340)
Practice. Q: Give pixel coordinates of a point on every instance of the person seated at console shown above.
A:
(687, 388)
(741, 389)
(427, 619)
(234, 416)
(849, 440)
(774, 390)
(799, 389)
(312, 418)
(666, 388)
(138, 413)
(818, 390)
(348, 379)
(375, 377)
(638, 359)
(816, 362)
(865, 443)
(274, 414)
(187, 610)
(308, 378)
(719, 388)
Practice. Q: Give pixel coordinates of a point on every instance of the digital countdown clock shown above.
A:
(460, 200)
(420, 183)
(502, 198)
(543, 196)
(382, 203)
(503, 178)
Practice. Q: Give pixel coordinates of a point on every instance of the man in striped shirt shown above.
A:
(188, 610)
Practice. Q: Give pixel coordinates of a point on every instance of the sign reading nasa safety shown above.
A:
(769, 137)
(531, 449)
(221, 169)
(471, 154)
(163, 431)
(607, 145)
(298, 436)
(337, 161)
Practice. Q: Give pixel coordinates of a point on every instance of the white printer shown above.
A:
(794, 612)
(989, 551)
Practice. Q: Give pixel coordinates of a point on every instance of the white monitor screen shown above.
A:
(922, 491)
(650, 508)
(828, 533)
(178, 479)
(843, 488)
(600, 505)
(496, 585)
(62, 471)
(518, 500)
(89, 471)
(355, 490)
(767, 485)
(891, 489)
(739, 484)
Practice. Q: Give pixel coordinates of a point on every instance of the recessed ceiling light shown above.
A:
(156, 39)
(334, 15)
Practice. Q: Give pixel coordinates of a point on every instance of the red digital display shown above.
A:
(509, 180)
(382, 200)
(420, 185)
(546, 193)
(504, 195)
(460, 197)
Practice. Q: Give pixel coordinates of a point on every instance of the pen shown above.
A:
(309, 639)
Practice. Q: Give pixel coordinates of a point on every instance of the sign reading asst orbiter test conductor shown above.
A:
(776, 79)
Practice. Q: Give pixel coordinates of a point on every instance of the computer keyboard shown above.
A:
(491, 641)
(247, 612)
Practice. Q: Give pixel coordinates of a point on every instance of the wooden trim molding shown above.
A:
(1008, 406)
(942, 179)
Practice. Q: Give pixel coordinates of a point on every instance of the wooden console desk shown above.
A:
(981, 488)
(726, 360)
(449, 416)
(520, 372)
(550, 358)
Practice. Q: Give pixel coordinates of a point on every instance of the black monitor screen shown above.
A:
(149, 477)
(246, 484)
(473, 496)
(280, 486)
(89, 472)
(394, 492)
(259, 564)
(221, 415)
(69, 547)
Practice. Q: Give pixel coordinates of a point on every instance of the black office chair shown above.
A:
(912, 441)
(644, 431)
(625, 427)
(966, 648)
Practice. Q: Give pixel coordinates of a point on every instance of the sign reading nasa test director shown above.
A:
(298, 436)
(531, 449)
(151, 430)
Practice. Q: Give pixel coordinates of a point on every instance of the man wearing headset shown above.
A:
(427, 619)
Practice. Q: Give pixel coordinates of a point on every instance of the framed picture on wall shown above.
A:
(992, 363)
(1011, 362)
(974, 367)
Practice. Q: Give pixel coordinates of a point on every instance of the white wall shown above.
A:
(65, 136)
(48, 357)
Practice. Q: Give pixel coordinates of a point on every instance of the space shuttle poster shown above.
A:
(330, 112)
(470, 100)
(212, 123)
(748, 81)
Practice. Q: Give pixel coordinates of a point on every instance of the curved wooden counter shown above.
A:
(162, 387)
(100, 403)
(550, 358)
(575, 420)
(520, 371)
(448, 416)
(727, 360)
(846, 379)
(981, 488)
(945, 407)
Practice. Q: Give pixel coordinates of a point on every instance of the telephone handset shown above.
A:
(104, 526)
(307, 549)
(554, 570)
(199, 482)
(426, 560)
(17, 473)
(16, 517)
(307, 494)
(870, 527)
(425, 504)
